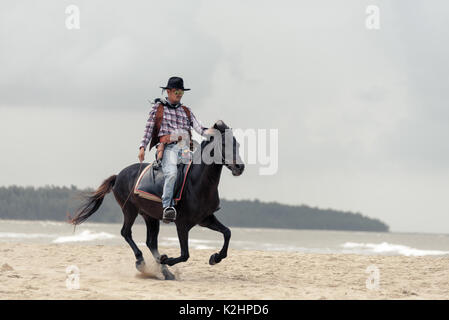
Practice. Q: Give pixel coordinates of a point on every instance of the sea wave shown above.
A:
(86, 235)
(47, 223)
(18, 235)
(199, 244)
(237, 244)
(386, 248)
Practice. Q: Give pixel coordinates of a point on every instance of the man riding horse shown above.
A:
(169, 122)
(168, 127)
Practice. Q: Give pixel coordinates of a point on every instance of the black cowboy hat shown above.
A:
(175, 83)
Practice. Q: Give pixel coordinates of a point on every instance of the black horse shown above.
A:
(199, 200)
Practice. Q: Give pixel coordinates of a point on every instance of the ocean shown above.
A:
(287, 240)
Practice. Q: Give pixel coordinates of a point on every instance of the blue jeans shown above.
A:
(170, 160)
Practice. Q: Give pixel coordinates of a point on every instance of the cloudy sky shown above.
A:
(361, 114)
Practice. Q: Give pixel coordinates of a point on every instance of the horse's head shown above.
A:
(224, 142)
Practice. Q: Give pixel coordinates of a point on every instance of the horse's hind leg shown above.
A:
(152, 233)
(130, 213)
(212, 223)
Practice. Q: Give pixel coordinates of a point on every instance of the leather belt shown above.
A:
(165, 139)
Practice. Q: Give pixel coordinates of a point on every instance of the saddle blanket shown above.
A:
(150, 184)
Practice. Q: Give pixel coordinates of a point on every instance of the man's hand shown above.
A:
(141, 155)
(210, 132)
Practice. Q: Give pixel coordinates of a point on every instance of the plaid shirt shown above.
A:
(175, 121)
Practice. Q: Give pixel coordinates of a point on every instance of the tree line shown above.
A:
(54, 203)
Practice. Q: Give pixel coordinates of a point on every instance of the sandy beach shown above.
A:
(39, 271)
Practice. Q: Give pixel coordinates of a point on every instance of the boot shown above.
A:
(169, 215)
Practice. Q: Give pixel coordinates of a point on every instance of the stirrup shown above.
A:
(169, 215)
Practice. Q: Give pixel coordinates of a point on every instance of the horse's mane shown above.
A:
(202, 146)
(198, 150)
(219, 125)
(204, 143)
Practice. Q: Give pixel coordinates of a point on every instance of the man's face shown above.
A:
(175, 95)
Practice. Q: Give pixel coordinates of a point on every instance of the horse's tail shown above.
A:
(93, 201)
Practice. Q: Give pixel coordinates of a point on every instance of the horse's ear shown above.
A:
(220, 125)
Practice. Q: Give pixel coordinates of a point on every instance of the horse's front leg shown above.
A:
(212, 223)
(183, 236)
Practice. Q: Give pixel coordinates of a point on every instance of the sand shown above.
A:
(38, 271)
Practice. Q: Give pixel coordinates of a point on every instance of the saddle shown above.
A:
(150, 184)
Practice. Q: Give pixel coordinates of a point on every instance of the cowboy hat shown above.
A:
(175, 83)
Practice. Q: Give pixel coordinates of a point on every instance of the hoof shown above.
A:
(214, 259)
(167, 274)
(140, 265)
